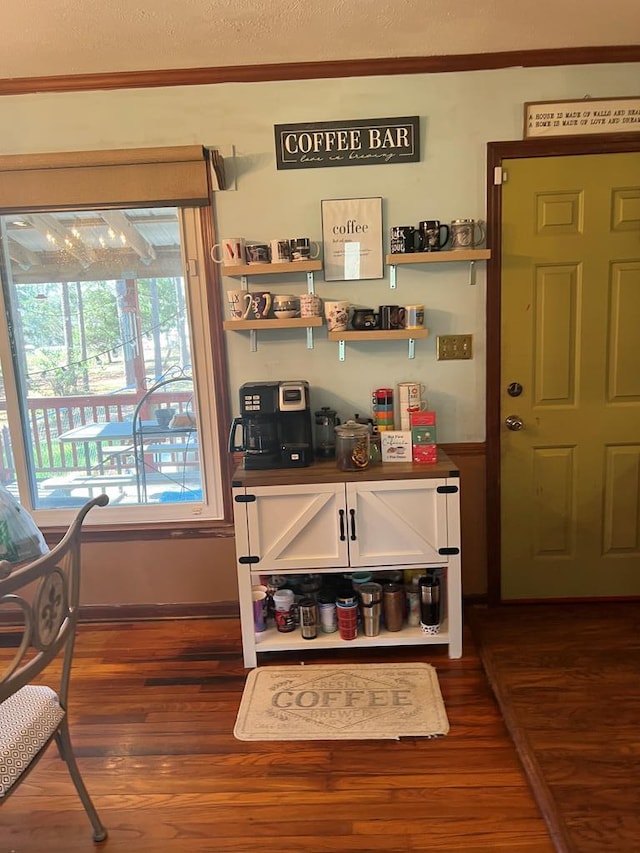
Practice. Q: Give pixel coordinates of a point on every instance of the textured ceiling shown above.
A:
(66, 37)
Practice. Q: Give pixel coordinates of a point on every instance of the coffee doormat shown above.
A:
(355, 702)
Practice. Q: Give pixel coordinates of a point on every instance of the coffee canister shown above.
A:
(352, 446)
(283, 600)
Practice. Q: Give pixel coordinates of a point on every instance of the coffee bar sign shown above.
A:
(359, 142)
(578, 118)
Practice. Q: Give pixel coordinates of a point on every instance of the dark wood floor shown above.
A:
(152, 712)
(568, 682)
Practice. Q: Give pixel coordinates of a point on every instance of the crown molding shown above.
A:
(321, 70)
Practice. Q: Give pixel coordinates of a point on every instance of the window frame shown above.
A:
(210, 377)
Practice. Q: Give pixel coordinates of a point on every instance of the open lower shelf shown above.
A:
(271, 269)
(257, 325)
(439, 257)
(273, 640)
(379, 335)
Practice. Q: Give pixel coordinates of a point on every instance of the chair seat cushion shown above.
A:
(27, 721)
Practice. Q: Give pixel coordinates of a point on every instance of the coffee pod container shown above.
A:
(429, 604)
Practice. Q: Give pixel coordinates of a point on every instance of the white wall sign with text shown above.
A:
(352, 238)
(576, 118)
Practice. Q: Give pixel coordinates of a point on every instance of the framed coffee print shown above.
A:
(352, 238)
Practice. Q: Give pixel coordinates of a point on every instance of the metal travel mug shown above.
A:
(429, 602)
(371, 607)
(393, 604)
(308, 611)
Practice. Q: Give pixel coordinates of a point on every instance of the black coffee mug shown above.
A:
(403, 239)
(364, 319)
(430, 235)
(391, 316)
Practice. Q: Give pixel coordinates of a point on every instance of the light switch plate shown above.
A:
(453, 347)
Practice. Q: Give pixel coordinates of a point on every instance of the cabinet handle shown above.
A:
(352, 513)
(341, 513)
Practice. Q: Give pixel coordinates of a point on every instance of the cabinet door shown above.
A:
(396, 522)
(297, 527)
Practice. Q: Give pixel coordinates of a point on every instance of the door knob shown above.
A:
(513, 422)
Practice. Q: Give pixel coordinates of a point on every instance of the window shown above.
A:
(108, 379)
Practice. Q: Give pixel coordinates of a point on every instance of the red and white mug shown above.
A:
(230, 251)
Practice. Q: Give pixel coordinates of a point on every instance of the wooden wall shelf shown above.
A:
(439, 257)
(257, 325)
(379, 335)
(271, 269)
(409, 335)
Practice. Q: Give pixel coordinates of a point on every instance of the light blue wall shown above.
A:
(459, 114)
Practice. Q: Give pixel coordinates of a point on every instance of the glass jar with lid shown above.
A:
(352, 446)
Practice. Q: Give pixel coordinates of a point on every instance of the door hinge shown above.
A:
(499, 176)
(446, 490)
(448, 550)
(245, 499)
(248, 560)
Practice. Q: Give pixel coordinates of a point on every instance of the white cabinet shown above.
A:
(320, 520)
(343, 525)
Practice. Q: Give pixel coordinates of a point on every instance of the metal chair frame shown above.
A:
(45, 594)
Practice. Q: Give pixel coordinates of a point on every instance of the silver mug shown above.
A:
(466, 233)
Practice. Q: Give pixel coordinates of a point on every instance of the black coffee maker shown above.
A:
(275, 418)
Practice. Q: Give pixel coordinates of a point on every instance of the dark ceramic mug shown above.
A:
(432, 235)
(391, 316)
(402, 239)
(260, 304)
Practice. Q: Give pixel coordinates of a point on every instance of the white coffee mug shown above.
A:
(410, 399)
(304, 249)
(239, 302)
(231, 251)
(337, 315)
(280, 251)
(310, 305)
(410, 392)
(414, 317)
(257, 253)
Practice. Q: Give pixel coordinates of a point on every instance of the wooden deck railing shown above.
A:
(51, 416)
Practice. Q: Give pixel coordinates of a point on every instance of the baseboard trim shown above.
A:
(154, 612)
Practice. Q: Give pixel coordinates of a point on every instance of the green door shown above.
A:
(570, 374)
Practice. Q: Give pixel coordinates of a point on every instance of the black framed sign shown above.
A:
(352, 238)
(353, 142)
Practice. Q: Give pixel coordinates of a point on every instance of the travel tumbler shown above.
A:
(430, 604)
